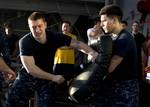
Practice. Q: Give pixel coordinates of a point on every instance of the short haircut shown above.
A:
(136, 23)
(65, 21)
(112, 10)
(36, 15)
(7, 25)
(124, 22)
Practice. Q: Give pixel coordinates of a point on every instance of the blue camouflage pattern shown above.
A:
(24, 88)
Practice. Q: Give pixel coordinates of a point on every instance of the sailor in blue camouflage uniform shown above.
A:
(6, 73)
(37, 51)
(121, 87)
(4, 52)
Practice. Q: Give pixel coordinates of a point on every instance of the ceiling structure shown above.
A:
(17, 11)
(75, 7)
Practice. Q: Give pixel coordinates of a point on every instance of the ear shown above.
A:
(114, 19)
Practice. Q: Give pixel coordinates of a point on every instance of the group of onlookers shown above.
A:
(48, 59)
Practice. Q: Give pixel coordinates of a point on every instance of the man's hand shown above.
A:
(147, 69)
(58, 79)
(9, 74)
(92, 56)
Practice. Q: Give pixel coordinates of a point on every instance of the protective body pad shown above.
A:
(84, 87)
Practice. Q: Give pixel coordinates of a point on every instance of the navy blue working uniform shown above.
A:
(121, 88)
(25, 84)
(4, 52)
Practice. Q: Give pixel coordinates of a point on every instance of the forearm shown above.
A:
(115, 61)
(83, 48)
(39, 73)
(30, 66)
(86, 49)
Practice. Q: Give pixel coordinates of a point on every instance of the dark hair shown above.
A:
(136, 23)
(112, 10)
(124, 22)
(68, 22)
(36, 15)
(96, 20)
(7, 25)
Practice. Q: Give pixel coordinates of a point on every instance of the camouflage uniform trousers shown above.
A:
(120, 94)
(24, 88)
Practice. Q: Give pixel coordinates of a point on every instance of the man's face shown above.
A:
(106, 24)
(37, 28)
(65, 27)
(8, 31)
(135, 27)
(124, 26)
